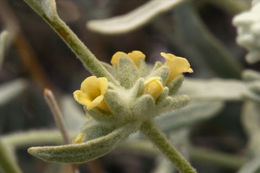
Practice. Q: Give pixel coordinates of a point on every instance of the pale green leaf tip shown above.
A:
(129, 22)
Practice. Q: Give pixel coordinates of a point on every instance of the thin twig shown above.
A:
(56, 112)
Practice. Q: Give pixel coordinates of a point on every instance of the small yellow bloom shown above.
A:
(135, 56)
(153, 86)
(177, 65)
(79, 138)
(91, 93)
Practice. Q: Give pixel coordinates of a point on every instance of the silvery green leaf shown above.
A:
(49, 7)
(250, 75)
(134, 19)
(157, 65)
(118, 106)
(202, 44)
(214, 89)
(253, 56)
(248, 27)
(175, 84)
(195, 111)
(127, 72)
(34, 137)
(73, 115)
(94, 129)
(252, 166)
(250, 119)
(4, 42)
(11, 89)
(143, 107)
(101, 116)
(162, 72)
(143, 68)
(137, 89)
(162, 95)
(83, 152)
(179, 101)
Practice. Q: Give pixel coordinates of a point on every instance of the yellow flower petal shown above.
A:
(177, 65)
(81, 97)
(79, 138)
(153, 86)
(91, 93)
(116, 56)
(103, 85)
(136, 56)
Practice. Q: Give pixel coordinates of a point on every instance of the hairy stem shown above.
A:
(149, 129)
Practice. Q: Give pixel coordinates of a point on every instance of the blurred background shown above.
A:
(201, 31)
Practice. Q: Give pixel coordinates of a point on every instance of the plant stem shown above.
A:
(87, 58)
(215, 157)
(56, 112)
(149, 129)
(197, 154)
(7, 162)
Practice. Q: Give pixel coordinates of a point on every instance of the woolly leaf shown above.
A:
(94, 129)
(117, 106)
(175, 84)
(134, 19)
(250, 75)
(138, 88)
(194, 112)
(162, 96)
(83, 152)
(127, 72)
(179, 101)
(214, 89)
(250, 119)
(162, 72)
(142, 107)
(248, 27)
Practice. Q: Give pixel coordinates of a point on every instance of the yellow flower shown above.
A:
(91, 93)
(177, 65)
(135, 56)
(153, 86)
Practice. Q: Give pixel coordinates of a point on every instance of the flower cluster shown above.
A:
(142, 92)
(249, 31)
